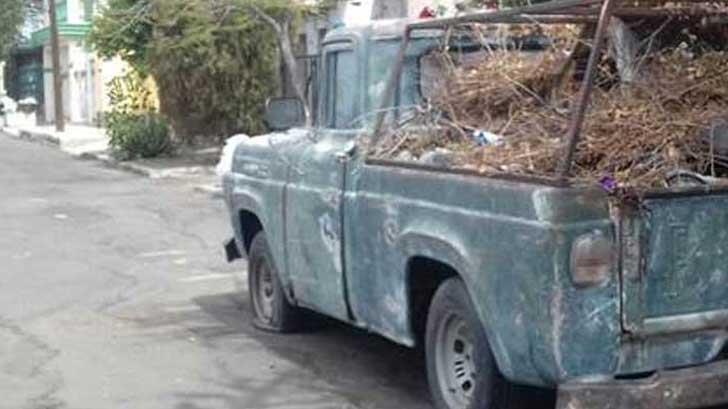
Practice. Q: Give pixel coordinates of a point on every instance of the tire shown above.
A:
(271, 310)
(461, 369)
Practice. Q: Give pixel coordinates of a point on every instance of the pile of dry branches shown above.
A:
(635, 134)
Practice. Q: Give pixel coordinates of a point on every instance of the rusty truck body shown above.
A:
(504, 279)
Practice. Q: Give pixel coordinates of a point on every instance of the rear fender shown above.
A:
(245, 202)
(414, 243)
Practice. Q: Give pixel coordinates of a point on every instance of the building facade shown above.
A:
(351, 13)
(84, 75)
(360, 12)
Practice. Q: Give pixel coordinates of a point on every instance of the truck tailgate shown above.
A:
(674, 255)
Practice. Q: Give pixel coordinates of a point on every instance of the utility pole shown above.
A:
(56, 59)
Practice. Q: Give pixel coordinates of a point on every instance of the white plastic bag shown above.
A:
(228, 154)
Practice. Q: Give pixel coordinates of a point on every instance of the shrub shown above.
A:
(138, 135)
(134, 127)
(215, 64)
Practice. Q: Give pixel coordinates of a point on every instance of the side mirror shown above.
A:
(282, 114)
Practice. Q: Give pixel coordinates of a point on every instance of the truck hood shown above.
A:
(264, 147)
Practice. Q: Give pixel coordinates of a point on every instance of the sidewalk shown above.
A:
(193, 167)
(77, 139)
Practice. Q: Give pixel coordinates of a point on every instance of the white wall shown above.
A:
(2, 79)
(416, 6)
(384, 9)
(350, 13)
(48, 89)
(75, 11)
(74, 8)
(85, 81)
(387, 9)
(106, 71)
(77, 83)
(358, 12)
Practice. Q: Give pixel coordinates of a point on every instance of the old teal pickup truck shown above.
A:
(503, 280)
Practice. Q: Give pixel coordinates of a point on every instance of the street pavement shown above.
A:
(114, 294)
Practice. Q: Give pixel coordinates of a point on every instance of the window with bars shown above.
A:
(88, 9)
(62, 11)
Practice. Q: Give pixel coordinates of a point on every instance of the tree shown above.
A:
(12, 16)
(215, 66)
(214, 60)
(281, 17)
(125, 28)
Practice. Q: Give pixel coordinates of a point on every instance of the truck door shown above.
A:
(675, 263)
(314, 205)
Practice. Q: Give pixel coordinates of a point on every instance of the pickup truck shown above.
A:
(502, 280)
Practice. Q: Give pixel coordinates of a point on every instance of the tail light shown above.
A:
(592, 259)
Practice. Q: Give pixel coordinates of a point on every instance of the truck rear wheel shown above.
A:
(461, 369)
(268, 302)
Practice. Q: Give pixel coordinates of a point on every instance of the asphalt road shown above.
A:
(114, 294)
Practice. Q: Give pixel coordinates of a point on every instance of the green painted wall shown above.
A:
(62, 11)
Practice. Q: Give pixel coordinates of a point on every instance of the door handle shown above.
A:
(346, 154)
(342, 157)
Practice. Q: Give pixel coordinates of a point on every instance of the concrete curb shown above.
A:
(15, 133)
(42, 138)
(110, 162)
(180, 172)
(215, 191)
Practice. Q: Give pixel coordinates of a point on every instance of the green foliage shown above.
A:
(135, 136)
(135, 130)
(124, 28)
(215, 67)
(12, 15)
(215, 61)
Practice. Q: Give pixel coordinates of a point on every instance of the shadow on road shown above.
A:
(367, 370)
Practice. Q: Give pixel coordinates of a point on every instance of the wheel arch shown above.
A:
(250, 225)
(424, 276)
(248, 219)
(431, 261)
(428, 262)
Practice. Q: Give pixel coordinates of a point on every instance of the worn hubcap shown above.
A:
(264, 293)
(455, 362)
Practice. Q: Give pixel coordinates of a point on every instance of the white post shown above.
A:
(2, 79)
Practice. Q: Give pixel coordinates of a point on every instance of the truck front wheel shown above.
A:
(271, 310)
(461, 369)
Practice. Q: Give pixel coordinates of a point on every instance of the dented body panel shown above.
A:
(344, 230)
(509, 242)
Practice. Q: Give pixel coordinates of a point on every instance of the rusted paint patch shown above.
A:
(689, 388)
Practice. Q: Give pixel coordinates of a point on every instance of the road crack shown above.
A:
(25, 379)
